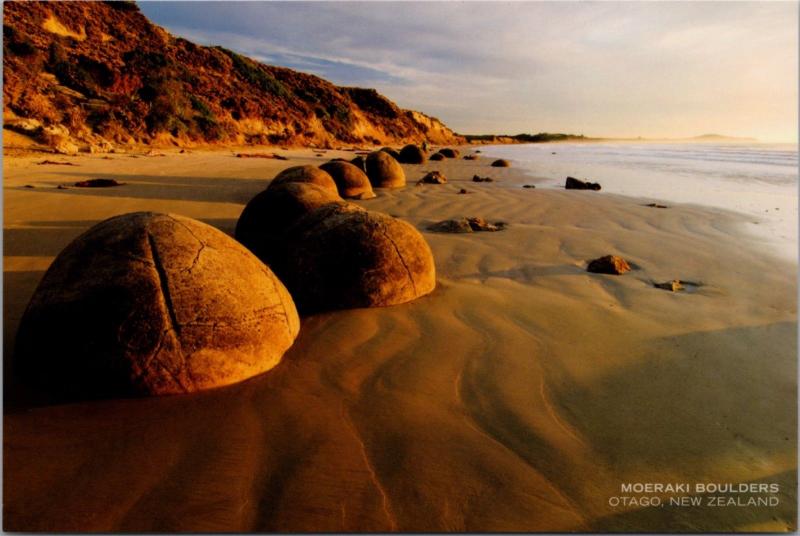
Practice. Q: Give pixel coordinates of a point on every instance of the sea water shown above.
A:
(758, 180)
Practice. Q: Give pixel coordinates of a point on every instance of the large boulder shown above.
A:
(264, 221)
(437, 156)
(448, 152)
(310, 174)
(360, 162)
(153, 304)
(391, 152)
(342, 256)
(352, 182)
(384, 171)
(412, 154)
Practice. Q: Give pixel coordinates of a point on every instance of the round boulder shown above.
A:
(391, 152)
(384, 171)
(360, 162)
(344, 256)
(153, 304)
(437, 156)
(412, 154)
(501, 163)
(310, 174)
(351, 181)
(264, 221)
(448, 152)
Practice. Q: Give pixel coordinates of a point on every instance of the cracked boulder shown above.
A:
(342, 256)
(384, 171)
(153, 304)
(351, 181)
(305, 174)
(266, 218)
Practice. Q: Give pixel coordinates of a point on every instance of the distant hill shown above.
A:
(720, 137)
(100, 73)
(541, 137)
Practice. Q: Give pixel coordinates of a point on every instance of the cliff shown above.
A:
(100, 74)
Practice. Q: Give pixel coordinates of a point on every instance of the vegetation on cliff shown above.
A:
(102, 73)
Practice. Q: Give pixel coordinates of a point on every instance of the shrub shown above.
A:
(255, 74)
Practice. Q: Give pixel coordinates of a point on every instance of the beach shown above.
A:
(519, 396)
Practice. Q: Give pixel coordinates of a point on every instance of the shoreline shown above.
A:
(517, 396)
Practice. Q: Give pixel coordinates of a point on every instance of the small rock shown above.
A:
(610, 264)
(656, 205)
(464, 191)
(98, 183)
(466, 225)
(29, 186)
(62, 187)
(529, 186)
(54, 163)
(577, 184)
(476, 178)
(673, 286)
(501, 163)
(471, 157)
(65, 147)
(434, 177)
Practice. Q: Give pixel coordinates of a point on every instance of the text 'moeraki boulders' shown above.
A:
(153, 304)
(351, 181)
(309, 174)
(384, 171)
(412, 154)
(609, 264)
(342, 256)
(264, 221)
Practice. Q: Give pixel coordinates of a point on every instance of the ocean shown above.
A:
(759, 180)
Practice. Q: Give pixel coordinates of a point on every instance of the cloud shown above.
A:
(602, 68)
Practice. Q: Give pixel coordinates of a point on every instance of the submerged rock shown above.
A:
(351, 182)
(656, 205)
(471, 157)
(434, 177)
(577, 184)
(476, 178)
(609, 264)
(98, 183)
(384, 171)
(153, 304)
(466, 225)
(501, 163)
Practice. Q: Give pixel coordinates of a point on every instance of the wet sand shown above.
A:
(518, 396)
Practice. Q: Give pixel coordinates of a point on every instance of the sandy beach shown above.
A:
(518, 396)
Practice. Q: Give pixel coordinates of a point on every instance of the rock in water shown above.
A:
(153, 304)
(577, 184)
(448, 152)
(610, 264)
(384, 171)
(264, 221)
(501, 163)
(342, 256)
(310, 174)
(351, 182)
(477, 178)
(434, 177)
(412, 154)
(98, 183)
(436, 157)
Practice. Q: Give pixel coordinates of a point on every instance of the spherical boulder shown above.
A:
(448, 152)
(436, 156)
(412, 154)
(352, 182)
(153, 304)
(264, 221)
(360, 162)
(311, 174)
(384, 171)
(501, 163)
(391, 152)
(344, 256)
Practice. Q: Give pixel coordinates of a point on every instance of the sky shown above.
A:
(611, 69)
